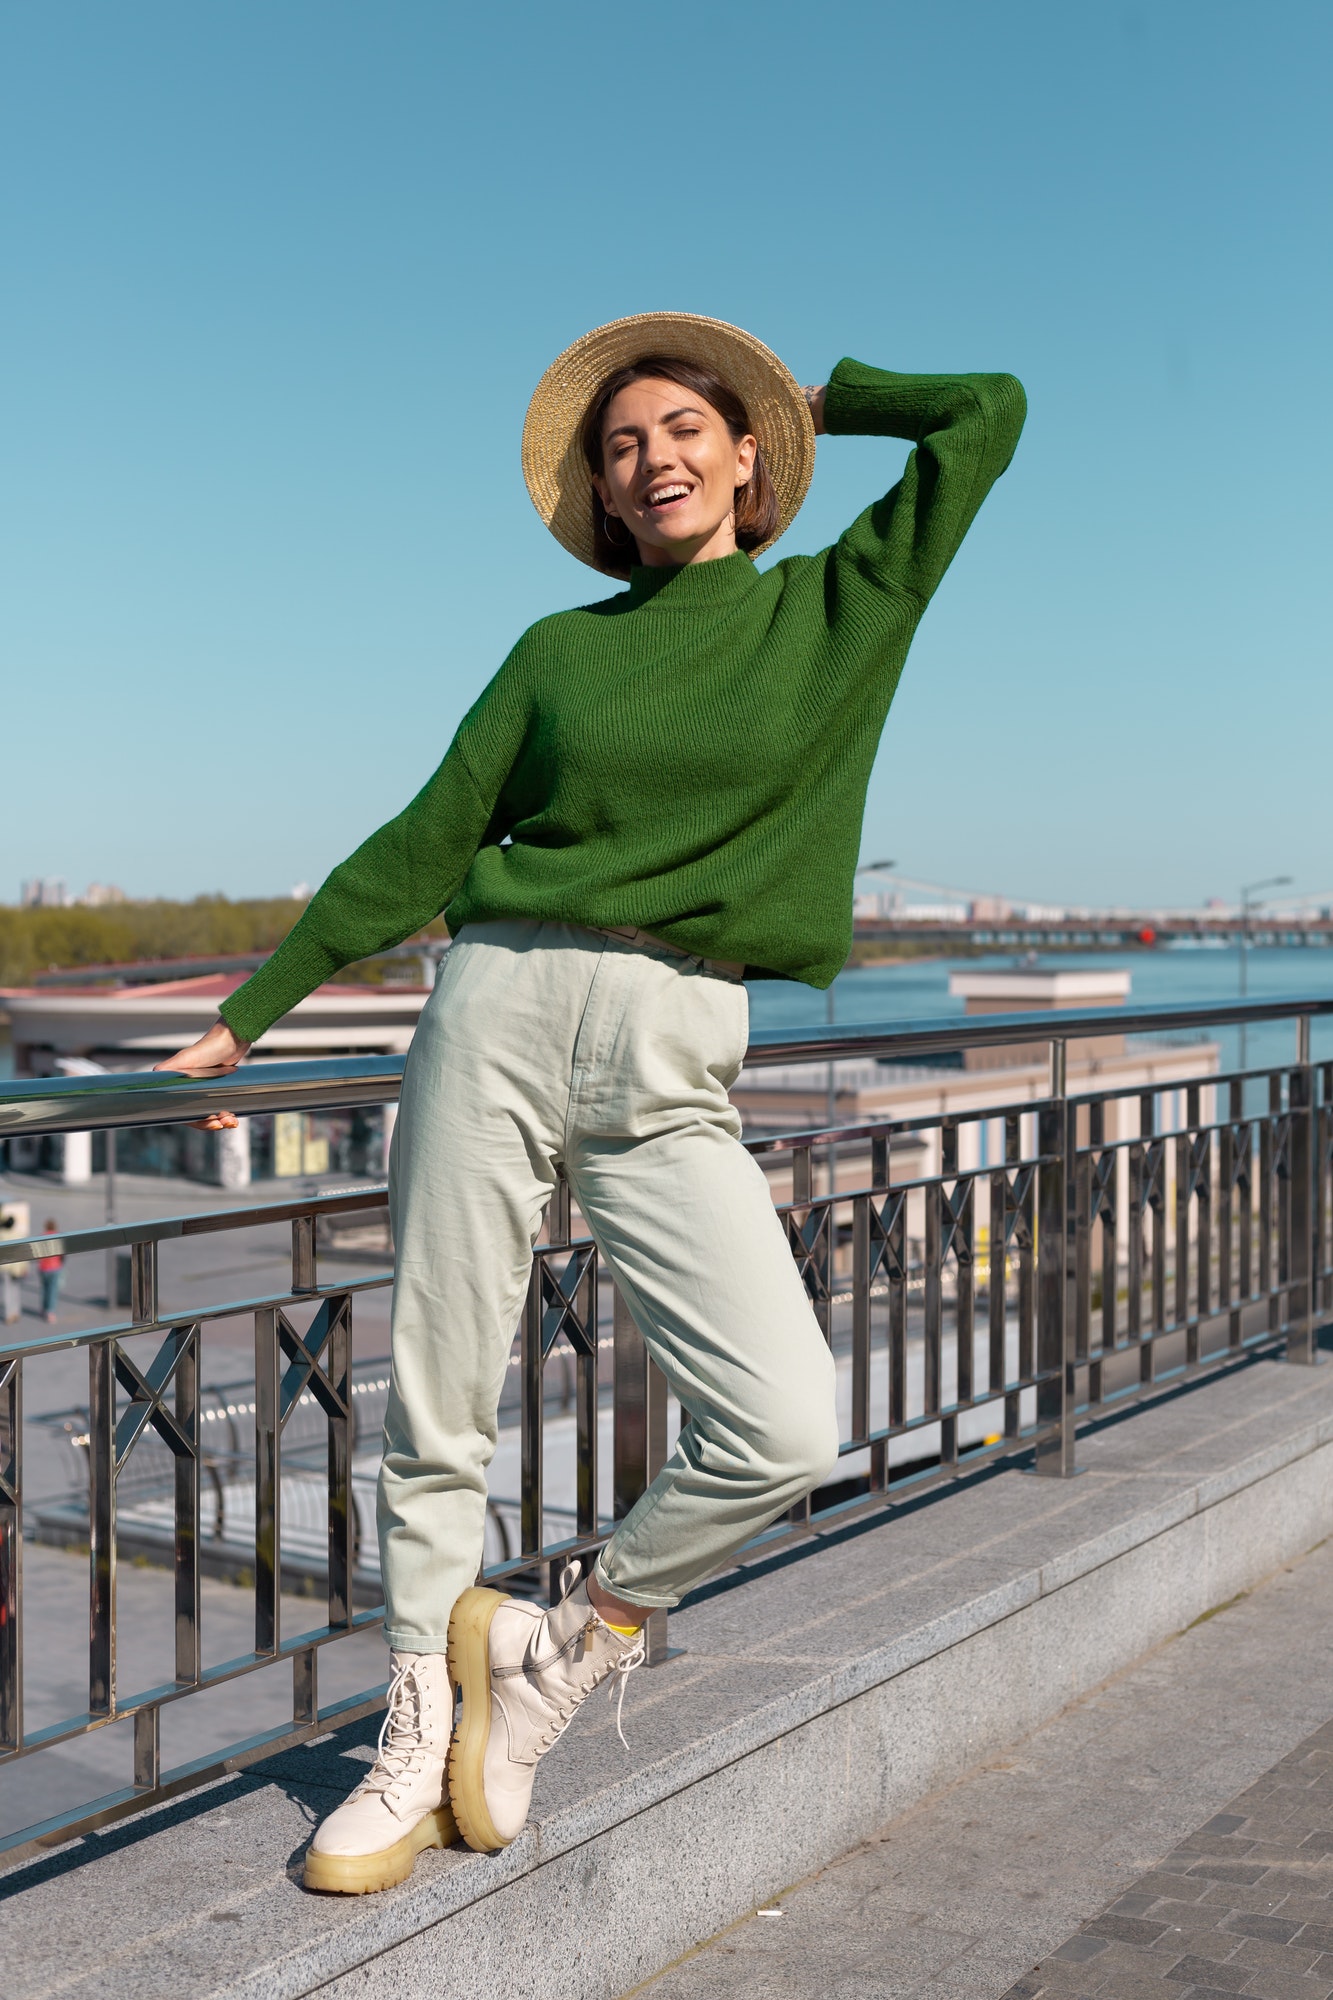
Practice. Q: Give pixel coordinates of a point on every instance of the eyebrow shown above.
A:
(632, 430)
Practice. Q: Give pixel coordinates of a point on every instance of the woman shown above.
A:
(657, 795)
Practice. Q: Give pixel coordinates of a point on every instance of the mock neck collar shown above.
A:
(715, 582)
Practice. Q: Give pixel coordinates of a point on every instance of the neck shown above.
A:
(708, 548)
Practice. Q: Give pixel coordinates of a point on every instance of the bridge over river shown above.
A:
(1084, 929)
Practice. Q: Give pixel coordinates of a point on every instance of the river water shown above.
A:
(918, 989)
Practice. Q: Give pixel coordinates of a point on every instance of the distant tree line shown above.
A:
(44, 940)
(38, 940)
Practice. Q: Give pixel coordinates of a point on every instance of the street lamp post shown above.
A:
(1250, 900)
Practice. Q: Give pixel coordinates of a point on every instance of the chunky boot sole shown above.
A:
(361, 1874)
(470, 1672)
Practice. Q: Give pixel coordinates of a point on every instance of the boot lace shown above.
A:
(625, 1666)
(634, 1656)
(400, 1738)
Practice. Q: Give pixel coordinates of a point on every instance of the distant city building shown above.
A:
(891, 903)
(98, 894)
(47, 892)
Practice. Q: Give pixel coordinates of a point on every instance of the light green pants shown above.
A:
(545, 1046)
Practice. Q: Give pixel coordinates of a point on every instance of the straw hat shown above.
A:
(553, 462)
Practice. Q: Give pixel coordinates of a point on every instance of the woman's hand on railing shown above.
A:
(218, 1050)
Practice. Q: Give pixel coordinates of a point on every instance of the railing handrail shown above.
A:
(31, 1107)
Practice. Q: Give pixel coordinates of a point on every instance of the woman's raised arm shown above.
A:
(965, 429)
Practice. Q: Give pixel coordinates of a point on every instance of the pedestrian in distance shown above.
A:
(14, 1227)
(49, 1270)
(659, 795)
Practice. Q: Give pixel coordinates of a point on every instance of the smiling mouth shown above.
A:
(664, 496)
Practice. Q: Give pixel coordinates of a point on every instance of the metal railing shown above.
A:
(1044, 1260)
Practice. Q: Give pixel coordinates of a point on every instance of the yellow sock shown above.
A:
(625, 1631)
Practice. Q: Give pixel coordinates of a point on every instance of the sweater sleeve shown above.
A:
(965, 429)
(404, 875)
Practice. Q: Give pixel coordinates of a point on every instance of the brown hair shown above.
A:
(757, 512)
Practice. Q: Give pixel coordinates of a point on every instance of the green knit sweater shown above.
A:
(691, 755)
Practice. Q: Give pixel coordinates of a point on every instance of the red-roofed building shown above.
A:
(132, 1026)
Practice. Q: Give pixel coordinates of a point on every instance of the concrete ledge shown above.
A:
(823, 1694)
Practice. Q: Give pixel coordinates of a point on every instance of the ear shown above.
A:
(600, 487)
(746, 452)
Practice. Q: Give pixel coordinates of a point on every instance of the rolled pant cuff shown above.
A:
(416, 1642)
(643, 1600)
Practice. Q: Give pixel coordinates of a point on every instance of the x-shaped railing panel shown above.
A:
(1017, 1221)
(568, 1300)
(306, 1369)
(887, 1227)
(956, 1211)
(1198, 1164)
(1154, 1174)
(1102, 1187)
(1242, 1154)
(147, 1391)
(810, 1237)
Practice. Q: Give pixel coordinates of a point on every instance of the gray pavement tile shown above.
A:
(1264, 1955)
(1192, 1971)
(1277, 1930)
(1126, 1930)
(1275, 1985)
(1180, 1888)
(1260, 1898)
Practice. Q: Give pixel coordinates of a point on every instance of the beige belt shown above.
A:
(722, 968)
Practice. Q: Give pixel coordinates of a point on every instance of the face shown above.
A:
(670, 469)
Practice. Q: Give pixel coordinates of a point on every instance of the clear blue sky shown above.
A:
(278, 281)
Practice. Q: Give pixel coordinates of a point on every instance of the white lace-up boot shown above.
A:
(401, 1806)
(522, 1673)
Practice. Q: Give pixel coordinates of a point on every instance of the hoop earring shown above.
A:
(607, 519)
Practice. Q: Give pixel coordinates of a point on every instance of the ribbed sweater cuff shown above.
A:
(294, 970)
(861, 401)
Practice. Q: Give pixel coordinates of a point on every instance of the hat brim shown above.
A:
(554, 466)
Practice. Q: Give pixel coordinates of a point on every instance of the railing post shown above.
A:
(147, 1748)
(1057, 1222)
(638, 1441)
(268, 1428)
(305, 1685)
(188, 1656)
(143, 1283)
(342, 1500)
(305, 1269)
(11, 1554)
(1301, 1343)
(101, 1528)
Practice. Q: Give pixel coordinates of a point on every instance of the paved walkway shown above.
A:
(1190, 1801)
(1245, 1905)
